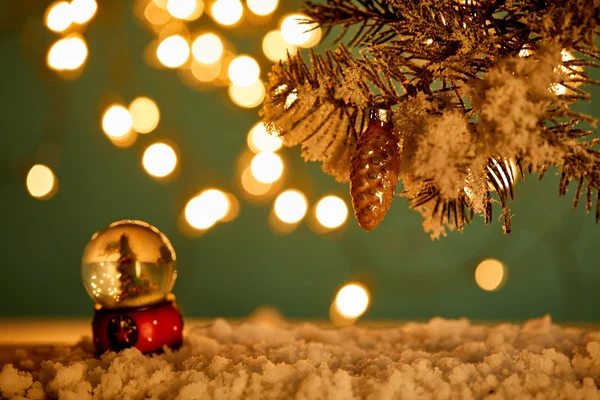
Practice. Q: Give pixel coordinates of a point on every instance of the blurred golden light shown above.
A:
(173, 51)
(207, 48)
(205, 72)
(83, 10)
(161, 3)
(262, 7)
(290, 206)
(206, 209)
(299, 33)
(227, 12)
(352, 300)
(247, 96)
(266, 167)
(159, 160)
(156, 15)
(331, 211)
(243, 71)
(261, 140)
(126, 141)
(276, 48)
(116, 121)
(40, 181)
(67, 54)
(252, 185)
(490, 274)
(233, 208)
(59, 16)
(182, 9)
(145, 115)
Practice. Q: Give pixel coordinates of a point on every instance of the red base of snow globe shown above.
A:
(146, 328)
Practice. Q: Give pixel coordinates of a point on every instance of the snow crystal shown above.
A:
(269, 358)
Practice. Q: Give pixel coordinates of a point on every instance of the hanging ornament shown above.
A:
(374, 170)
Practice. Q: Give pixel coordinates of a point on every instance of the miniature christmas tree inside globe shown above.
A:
(128, 264)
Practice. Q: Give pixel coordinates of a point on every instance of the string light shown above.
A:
(116, 121)
(159, 160)
(331, 212)
(252, 186)
(145, 115)
(183, 9)
(290, 206)
(490, 274)
(247, 96)
(67, 54)
(59, 16)
(173, 51)
(276, 48)
(40, 181)
(83, 10)
(262, 7)
(207, 48)
(227, 12)
(352, 300)
(243, 71)
(266, 167)
(261, 140)
(206, 209)
(295, 30)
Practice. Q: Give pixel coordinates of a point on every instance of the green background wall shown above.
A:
(553, 254)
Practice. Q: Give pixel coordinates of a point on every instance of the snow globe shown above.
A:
(128, 269)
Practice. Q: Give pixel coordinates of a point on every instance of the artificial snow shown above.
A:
(267, 358)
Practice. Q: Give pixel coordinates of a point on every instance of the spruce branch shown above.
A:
(481, 92)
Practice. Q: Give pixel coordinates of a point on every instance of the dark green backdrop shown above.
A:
(552, 255)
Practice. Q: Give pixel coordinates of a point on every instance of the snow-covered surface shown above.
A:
(267, 358)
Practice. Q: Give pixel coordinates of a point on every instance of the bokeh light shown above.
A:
(67, 54)
(173, 51)
(260, 140)
(59, 16)
(252, 186)
(207, 48)
(145, 114)
(227, 12)
(331, 212)
(159, 160)
(124, 142)
(490, 274)
(116, 121)
(266, 167)
(352, 300)
(290, 206)
(243, 71)
(184, 9)
(205, 72)
(41, 182)
(295, 31)
(276, 48)
(206, 209)
(83, 10)
(155, 14)
(247, 96)
(262, 7)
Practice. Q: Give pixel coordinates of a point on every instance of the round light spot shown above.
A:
(206, 209)
(182, 9)
(262, 7)
(276, 48)
(227, 12)
(290, 206)
(116, 121)
(260, 140)
(159, 160)
(173, 51)
(83, 10)
(207, 48)
(266, 167)
(40, 181)
(243, 71)
(352, 300)
(67, 54)
(252, 185)
(331, 212)
(59, 16)
(295, 31)
(247, 96)
(145, 115)
(205, 72)
(490, 274)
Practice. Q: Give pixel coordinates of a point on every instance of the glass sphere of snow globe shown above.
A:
(127, 265)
